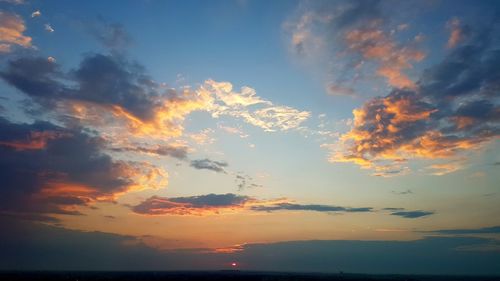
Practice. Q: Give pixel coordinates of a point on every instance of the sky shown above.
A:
(319, 136)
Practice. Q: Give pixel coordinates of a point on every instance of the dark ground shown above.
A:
(220, 275)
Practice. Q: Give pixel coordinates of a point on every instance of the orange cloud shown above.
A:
(375, 44)
(11, 32)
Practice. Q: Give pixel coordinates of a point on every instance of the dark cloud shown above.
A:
(207, 164)
(101, 79)
(156, 205)
(28, 246)
(308, 207)
(412, 214)
(484, 230)
(47, 169)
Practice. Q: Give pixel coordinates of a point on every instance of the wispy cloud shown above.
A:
(467, 231)
(12, 30)
(351, 35)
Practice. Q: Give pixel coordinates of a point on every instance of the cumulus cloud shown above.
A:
(47, 169)
(451, 111)
(12, 28)
(207, 164)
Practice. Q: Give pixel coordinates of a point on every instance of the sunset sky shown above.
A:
(275, 135)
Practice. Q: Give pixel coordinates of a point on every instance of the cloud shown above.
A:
(244, 181)
(217, 203)
(412, 214)
(47, 169)
(483, 230)
(450, 112)
(15, 2)
(251, 108)
(337, 90)
(105, 91)
(36, 13)
(28, 246)
(445, 168)
(207, 164)
(229, 202)
(49, 28)
(457, 32)
(193, 205)
(12, 28)
(108, 91)
(373, 43)
(176, 151)
(344, 37)
(309, 207)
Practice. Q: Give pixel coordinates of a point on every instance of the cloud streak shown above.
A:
(229, 202)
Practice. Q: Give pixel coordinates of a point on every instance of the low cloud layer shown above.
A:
(71, 249)
(229, 202)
